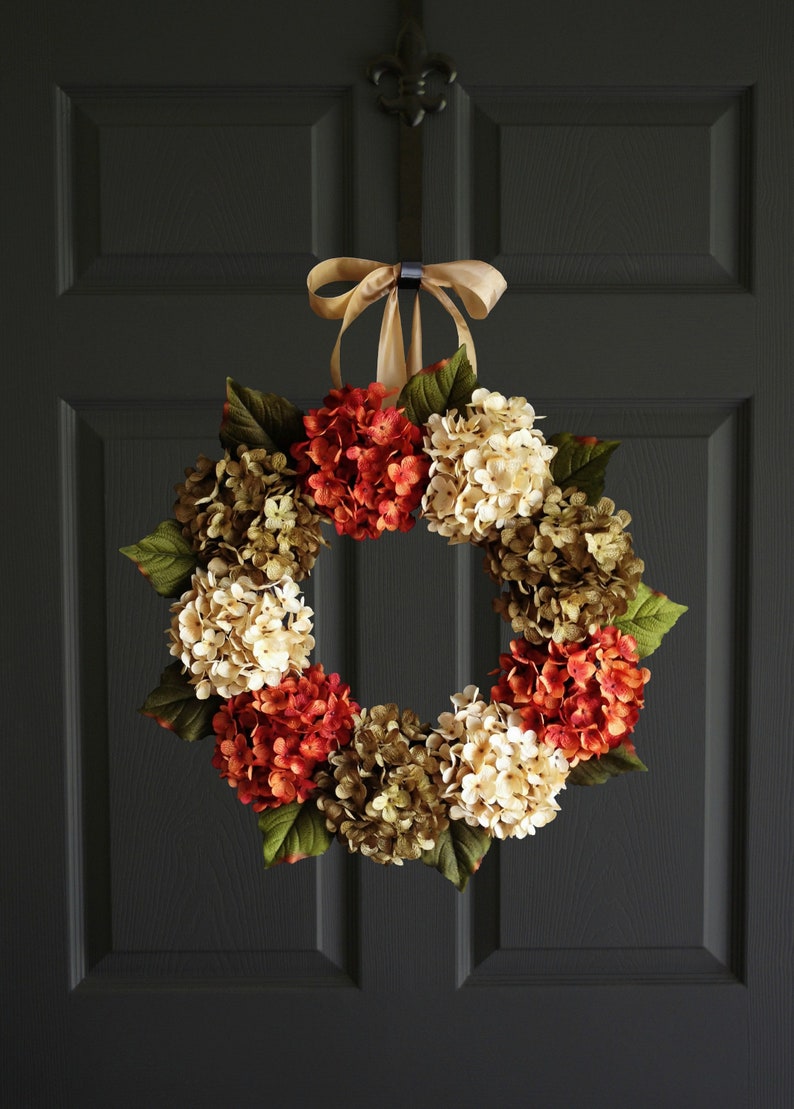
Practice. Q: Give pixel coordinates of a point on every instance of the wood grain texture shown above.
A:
(132, 922)
(672, 885)
(703, 1025)
(200, 189)
(770, 858)
(609, 188)
(392, 622)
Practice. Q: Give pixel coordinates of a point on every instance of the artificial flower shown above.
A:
(387, 786)
(494, 774)
(582, 698)
(568, 570)
(380, 795)
(363, 465)
(270, 741)
(250, 511)
(233, 635)
(489, 465)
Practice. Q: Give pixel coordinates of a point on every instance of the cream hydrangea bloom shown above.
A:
(488, 466)
(494, 775)
(232, 635)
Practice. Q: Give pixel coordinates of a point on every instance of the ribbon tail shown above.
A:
(391, 351)
(463, 329)
(336, 363)
(413, 363)
(352, 312)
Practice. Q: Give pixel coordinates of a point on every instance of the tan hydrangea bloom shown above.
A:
(249, 511)
(488, 466)
(494, 775)
(381, 796)
(232, 635)
(567, 570)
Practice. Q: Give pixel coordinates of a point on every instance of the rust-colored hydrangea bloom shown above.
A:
(583, 698)
(271, 741)
(363, 465)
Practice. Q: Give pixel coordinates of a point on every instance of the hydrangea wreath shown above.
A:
(292, 740)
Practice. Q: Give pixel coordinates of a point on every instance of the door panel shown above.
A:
(184, 189)
(560, 195)
(177, 174)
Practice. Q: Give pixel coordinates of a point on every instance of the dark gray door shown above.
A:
(172, 172)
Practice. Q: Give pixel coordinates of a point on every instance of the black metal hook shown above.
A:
(412, 65)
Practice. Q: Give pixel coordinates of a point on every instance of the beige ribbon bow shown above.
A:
(478, 285)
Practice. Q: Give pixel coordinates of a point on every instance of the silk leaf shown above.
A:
(458, 852)
(259, 419)
(175, 706)
(438, 391)
(581, 462)
(648, 618)
(592, 772)
(293, 832)
(165, 558)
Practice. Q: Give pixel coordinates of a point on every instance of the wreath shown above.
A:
(247, 528)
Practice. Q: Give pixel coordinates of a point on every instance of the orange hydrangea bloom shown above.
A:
(271, 741)
(363, 465)
(583, 698)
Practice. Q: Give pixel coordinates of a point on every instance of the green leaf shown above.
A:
(458, 852)
(648, 618)
(440, 390)
(259, 419)
(592, 772)
(165, 558)
(293, 832)
(581, 461)
(174, 705)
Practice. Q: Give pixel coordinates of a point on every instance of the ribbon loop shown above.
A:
(477, 284)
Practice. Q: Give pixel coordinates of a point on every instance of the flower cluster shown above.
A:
(582, 698)
(380, 797)
(270, 742)
(290, 739)
(249, 511)
(232, 635)
(496, 775)
(568, 570)
(362, 464)
(488, 466)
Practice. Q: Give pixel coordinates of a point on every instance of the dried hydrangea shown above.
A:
(488, 466)
(495, 775)
(250, 511)
(270, 741)
(381, 796)
(568, 570)
(233, 635)
(583, 698)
